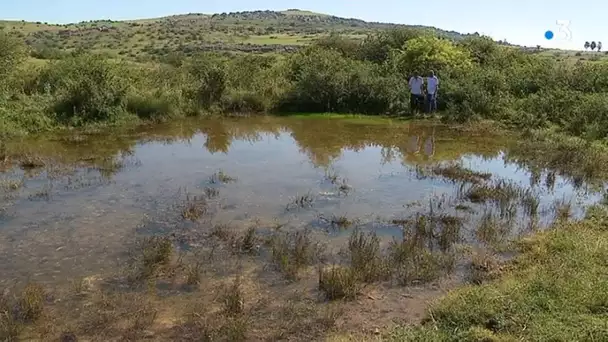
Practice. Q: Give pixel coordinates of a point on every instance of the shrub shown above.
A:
(89, 89)
(242, 102)
(206, 79)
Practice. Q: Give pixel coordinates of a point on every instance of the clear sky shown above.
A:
(519, 21)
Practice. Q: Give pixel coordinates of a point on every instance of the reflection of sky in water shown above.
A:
(94, 221)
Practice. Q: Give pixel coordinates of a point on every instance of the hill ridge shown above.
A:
(244, 31)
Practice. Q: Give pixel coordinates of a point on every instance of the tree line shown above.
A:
(480, 79)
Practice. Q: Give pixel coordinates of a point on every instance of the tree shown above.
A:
(483, 50)
(430, 53)
(599, 46)
(593, 46)
(12, 52)
(587, 45)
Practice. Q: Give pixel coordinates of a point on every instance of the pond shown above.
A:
(59, 224)
(74, 203)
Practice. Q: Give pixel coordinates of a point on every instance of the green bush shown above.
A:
(480, 79)
(324, 81)
(155, 106)
(91, 90)
(242, 102)
(206, 80)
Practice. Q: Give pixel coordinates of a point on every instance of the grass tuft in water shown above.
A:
(500, 192)
(150, 255)
(339, 222)
(223, 232)
(194, 208)
(233, 302)
(562, 209)
(9, 185)
(212, 193)
(530, 202)
(293, 251)
(194, 273)
(366, 261)
(415, 264)
(457, 173)
(29, 162)
(10, 327)
(491, 230)
(31, 302)
(303, 201)
(332, 176)
(339, 282)
(339, 182)
(221, 177)
(248, 242)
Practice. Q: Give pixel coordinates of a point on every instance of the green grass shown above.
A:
(279, 39)
(154, 37)
(555, 290)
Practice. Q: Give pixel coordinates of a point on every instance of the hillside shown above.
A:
(259, 31)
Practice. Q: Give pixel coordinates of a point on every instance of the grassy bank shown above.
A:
(480, 79)
(555, 290)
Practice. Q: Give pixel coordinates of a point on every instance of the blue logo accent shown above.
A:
(549, 35)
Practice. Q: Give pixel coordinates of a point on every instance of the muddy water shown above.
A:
(93, 193)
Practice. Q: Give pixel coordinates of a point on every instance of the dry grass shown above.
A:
(413, 265)
(194, 208)
(150, 256)
(367, 262)
(293, 251)
(233, 302)
(18, 312)
(339, 282)
(485, 266)
(247, 243)
(9, 185)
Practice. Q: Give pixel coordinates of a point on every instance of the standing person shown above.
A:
(416, 97)
(432, 86)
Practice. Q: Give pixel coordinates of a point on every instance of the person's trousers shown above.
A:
(431, 103)
(416, 102)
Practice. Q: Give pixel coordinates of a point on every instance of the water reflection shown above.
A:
(94, 191)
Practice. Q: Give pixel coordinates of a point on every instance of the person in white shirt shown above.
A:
(416, 97)
(432, 86)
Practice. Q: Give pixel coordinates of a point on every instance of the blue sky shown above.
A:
(519, 21)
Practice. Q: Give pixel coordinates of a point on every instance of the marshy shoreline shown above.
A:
(472, 260)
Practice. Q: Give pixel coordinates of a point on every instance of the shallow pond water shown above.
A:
(71, 212)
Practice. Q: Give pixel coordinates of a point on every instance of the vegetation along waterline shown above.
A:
(334, 73)
(203, 226)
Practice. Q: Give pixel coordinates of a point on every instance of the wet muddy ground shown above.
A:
(258, 229)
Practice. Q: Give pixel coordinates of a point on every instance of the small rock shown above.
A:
(376, 331)
(68, 337)
(148, 334)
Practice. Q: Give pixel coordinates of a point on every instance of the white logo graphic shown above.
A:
(564, 29)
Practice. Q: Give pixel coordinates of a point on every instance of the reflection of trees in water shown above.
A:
(388, 154)
(321, 140)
